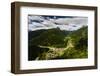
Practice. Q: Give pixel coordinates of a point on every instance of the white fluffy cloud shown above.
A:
(72, 21)
(35, 17)
(63, 23)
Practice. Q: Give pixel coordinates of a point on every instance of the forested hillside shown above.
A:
(58, 44)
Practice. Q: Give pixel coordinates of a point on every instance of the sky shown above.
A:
(69, 23)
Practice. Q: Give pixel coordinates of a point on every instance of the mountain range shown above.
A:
(46, 44)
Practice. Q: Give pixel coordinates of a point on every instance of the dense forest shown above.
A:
(54, 43)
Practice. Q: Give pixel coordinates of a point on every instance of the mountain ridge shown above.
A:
(73, 42)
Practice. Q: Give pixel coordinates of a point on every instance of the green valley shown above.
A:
(54, 43)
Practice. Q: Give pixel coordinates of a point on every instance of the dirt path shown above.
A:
(52, 48)
(59, 49)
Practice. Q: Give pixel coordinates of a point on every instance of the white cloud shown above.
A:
(63, 23)
(48, 23)
(35, 17)
(66, 21)
(35, 25)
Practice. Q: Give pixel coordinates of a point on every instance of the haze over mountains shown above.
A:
(69, 23)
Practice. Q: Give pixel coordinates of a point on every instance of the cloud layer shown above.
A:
(69, 23)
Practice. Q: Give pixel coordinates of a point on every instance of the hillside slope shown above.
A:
(58, 44)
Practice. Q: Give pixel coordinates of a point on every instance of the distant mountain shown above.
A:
(58, 44)
(33, 34)
(51, 37)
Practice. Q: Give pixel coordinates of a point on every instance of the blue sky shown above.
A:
(69, 23)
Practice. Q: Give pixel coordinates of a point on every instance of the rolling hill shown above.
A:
(57, 44)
